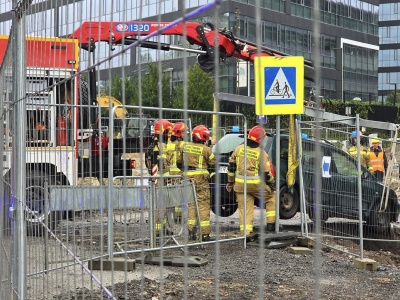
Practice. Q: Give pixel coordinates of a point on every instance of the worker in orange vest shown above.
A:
(378, 159)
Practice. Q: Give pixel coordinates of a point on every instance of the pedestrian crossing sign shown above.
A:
(279, 83)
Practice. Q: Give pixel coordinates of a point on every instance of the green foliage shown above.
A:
(357, 107)
(361, 108)
(152, 95)
(124, 88)
(200, 89)
(390, 98)
(128, 88)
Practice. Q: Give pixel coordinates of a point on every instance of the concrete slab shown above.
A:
(273, 244)
(300, 250)
(176, 261)
(117, 264)
(305, 242)
(280, 236)
(365, 264)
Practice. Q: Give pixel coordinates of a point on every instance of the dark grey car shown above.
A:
(338, 191)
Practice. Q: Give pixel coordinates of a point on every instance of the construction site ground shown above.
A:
(236, 272)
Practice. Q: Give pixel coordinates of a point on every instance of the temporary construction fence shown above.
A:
(78, 208)
(346, 202)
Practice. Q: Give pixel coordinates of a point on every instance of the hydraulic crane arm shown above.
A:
(203, 35)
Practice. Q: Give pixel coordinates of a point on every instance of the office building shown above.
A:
(348, 36)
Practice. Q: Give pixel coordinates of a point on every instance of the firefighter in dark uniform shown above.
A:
(378, 159)
(257, 162)
(196, 159)
(155, 160)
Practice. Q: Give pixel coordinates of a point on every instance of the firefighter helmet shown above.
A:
(162, 125)
(178, 129)
(256, 134)
(201, 133)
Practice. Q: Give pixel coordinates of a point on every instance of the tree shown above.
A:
(200, 89)
(151, 90)
(124, 88)
(390, 98)
(128, 87)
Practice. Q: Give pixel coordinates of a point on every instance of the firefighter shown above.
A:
(257, 162)
(155, 153)
(196, 159)
(364, 151)
(155, 162)
(174, 147)
(378, 159)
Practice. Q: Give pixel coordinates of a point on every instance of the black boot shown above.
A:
(207, 238)
(251, 237)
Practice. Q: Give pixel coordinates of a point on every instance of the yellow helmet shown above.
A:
(375, 141)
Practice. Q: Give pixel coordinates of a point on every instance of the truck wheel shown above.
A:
(35, 202)
(288, 203)
(88, 111)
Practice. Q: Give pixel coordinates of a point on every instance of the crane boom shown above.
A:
(203, 35)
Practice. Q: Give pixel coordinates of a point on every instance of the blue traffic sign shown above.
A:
(280, 85)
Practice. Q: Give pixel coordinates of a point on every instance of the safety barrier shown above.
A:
(343, 202)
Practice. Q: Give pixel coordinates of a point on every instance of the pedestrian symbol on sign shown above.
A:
(280, 85)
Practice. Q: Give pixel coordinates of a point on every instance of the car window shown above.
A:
(344, 164)
(228, 143)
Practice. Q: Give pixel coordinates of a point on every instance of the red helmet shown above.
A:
(178, 129)
(201, 133)
(256, 134)
(162, 125)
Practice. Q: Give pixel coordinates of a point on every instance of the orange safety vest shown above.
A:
(377, 161)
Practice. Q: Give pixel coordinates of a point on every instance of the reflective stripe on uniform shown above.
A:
(270, 213)
(196, 172)
(247, 227)
(205, 224)
(252, 154)
(194, 149)
(191, 222)
(249, 179)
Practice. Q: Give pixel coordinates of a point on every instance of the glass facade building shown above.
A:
(348, 36)
(389, 43)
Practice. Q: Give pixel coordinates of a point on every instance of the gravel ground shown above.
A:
(234, 273)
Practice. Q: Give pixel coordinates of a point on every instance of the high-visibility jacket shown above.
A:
(172, 153)
(364, 155)
(377, 158)
(196, 159)
(257, 162)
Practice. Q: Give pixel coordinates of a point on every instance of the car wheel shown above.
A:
(288, 203)
(225, 209)
(226, 206)
(378, 221)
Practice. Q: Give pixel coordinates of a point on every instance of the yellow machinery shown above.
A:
(104, 101)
